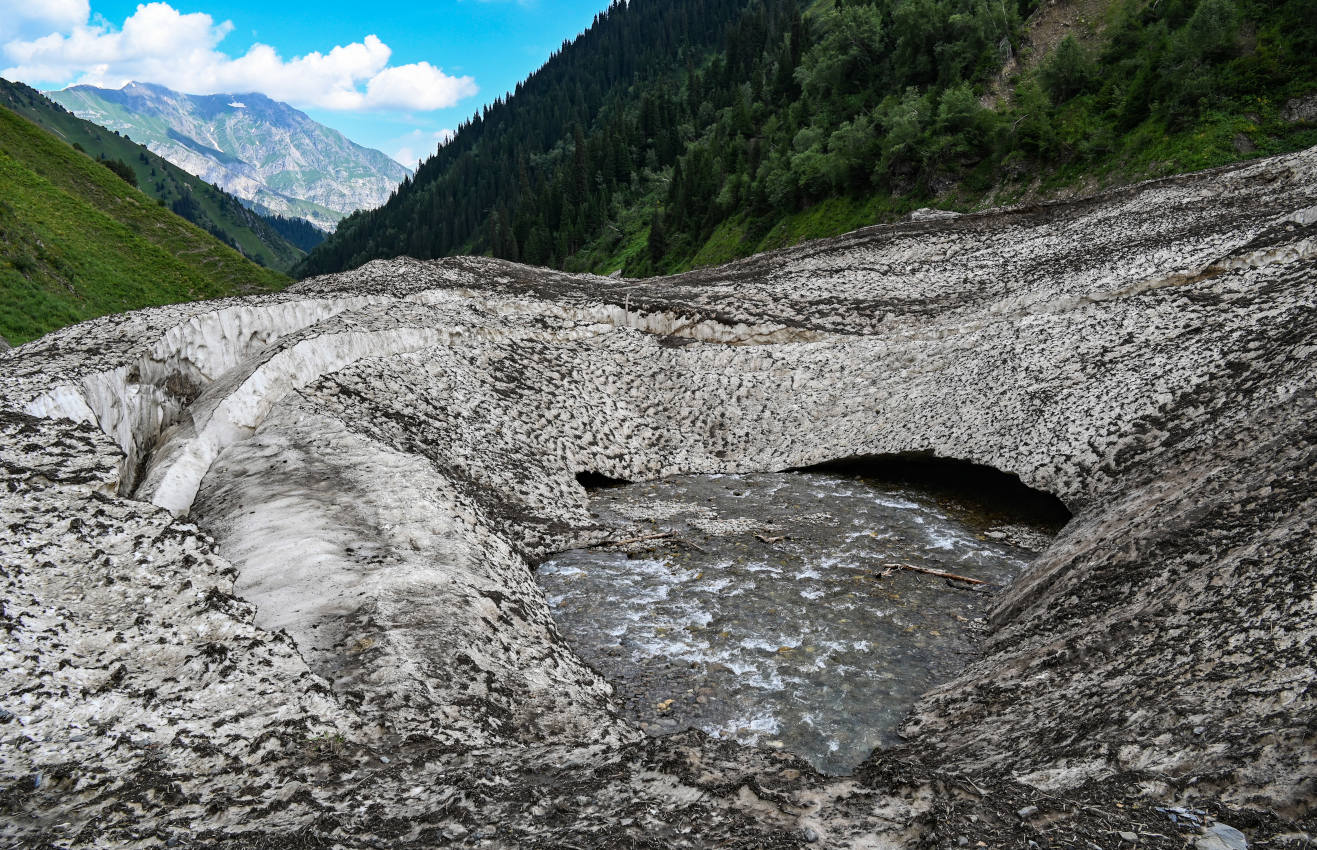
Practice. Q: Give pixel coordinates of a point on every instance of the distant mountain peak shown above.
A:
(270, 154)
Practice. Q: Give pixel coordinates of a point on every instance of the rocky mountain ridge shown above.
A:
(259, 149)
(319, 510)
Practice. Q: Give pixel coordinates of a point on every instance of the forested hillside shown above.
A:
(77, 241)
(684, 132)
(272, 241)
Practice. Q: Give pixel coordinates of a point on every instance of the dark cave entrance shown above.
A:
(996, 494)
(598, 481)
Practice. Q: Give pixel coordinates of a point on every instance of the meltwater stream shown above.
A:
(770, 614)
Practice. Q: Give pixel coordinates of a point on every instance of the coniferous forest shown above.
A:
(675, 133)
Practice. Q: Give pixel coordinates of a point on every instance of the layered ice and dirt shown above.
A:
(269, 563)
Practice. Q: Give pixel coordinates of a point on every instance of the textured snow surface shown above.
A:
(267, 561)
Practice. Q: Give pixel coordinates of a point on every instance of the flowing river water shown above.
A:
(770, 613)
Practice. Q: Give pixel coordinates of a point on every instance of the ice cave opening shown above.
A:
(805, 610)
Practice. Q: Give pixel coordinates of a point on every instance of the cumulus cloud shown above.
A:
(417, 86)
(159, 44)
(32, 18)
(411, 148)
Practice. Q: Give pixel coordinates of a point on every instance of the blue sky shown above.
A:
(401, 75)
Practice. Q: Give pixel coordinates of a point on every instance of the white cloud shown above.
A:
(418, 86)
(411, 148)
(32, 18)
(159, 44)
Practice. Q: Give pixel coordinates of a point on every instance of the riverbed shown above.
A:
(780, 609)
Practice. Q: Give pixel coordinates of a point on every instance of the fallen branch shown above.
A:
(696, 547)
(937, 573)
(654, 536)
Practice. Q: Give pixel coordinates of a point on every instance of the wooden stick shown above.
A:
(654, 536)
(937, 573)
(694, 546)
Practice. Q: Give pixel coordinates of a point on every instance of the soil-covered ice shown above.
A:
(267, 566)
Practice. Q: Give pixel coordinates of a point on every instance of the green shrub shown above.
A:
(1068, 72)
(123, 169)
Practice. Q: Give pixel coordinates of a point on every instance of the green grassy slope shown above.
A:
(211, 209)
(77, 242)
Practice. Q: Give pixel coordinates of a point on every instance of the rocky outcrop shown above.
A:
(268, 573)
(1301, 109)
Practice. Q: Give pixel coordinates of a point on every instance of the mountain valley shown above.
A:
(847, 424)
(78, 241)
(263, 151)
(271, 241)
(680, 134)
